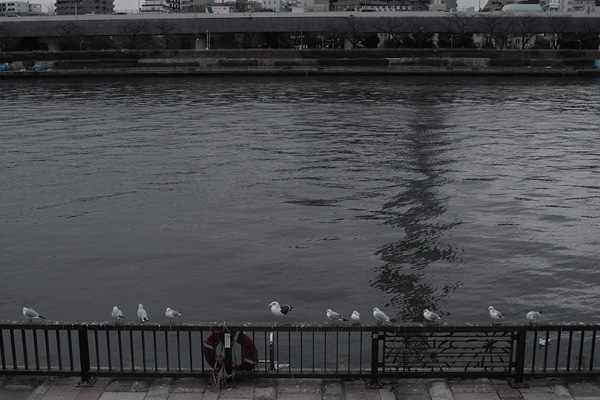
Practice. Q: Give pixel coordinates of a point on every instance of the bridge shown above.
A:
(345, 24)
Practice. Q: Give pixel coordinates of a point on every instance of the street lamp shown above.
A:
(81, 46)
(579, 44)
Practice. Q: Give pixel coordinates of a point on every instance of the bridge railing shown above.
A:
(369, 352)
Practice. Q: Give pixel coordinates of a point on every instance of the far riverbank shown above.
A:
(305, 62)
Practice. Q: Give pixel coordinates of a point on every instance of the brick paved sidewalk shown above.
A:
(46, 388)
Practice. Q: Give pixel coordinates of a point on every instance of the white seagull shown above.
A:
(142, 314)
(430, 315)
(533, 315)
(355, 317)
(172, 314)
(380, 316)
(333, 316)
(31, 314)
(116, 314)
(495, 314)
(280, 310)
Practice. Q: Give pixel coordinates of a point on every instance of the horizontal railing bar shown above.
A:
(261, 327)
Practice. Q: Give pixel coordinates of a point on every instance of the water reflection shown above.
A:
(419, 212)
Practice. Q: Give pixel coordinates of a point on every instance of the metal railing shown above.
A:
(369, 352)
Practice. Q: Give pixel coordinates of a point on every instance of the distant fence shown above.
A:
(367, 352)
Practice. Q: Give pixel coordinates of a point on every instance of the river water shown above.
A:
(216, 196)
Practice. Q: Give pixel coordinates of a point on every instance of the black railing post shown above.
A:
(84, 358)
(519, 365)
(373, 382)
(228, 358)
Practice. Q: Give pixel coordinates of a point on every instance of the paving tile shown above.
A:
(411, 389)
(14, 394)
(584, 389)
(238, 390)
(476, 396)
(20, 382)
(356, 386)
(265, 393)
(185, 396)
(306, 386)
(472, 386)
(129, 385)
(439, 390)
(561, 392)
(362, 396)
(188, 385)
(386, 394)
(90, 393)
(64, 390)
(299, 396)
(123, 396)
(39, 392)
(159, 389)
(539, 396)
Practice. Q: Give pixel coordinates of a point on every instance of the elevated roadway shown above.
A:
(342, 22)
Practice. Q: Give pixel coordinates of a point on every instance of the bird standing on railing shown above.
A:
(142, 314)
(355, 317)
(495, 314)
(532, 316)
(31, 314)
(380, 316)
(279, 310)
(116, 314)
(430, 316)
(172, 314)
(333, 316)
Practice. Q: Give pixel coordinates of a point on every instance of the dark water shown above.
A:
(217, 196)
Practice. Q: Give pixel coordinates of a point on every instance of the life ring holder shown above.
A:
(249, 349)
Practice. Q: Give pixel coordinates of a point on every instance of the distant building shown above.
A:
(20, 8)
(81, 7)
(272, 5)
(166, 6)
(576, 5)
(522, 8)
(443, 5)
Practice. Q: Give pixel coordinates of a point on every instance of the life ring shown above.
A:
(249, 350)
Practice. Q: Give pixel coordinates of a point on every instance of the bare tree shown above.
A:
(557, 25)
(132, 31)
(528, 27)
(166, 29)
(495, 28)
(388, 26)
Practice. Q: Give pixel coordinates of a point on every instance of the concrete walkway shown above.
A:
(46, 388)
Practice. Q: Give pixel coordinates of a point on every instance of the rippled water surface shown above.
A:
(217, 196)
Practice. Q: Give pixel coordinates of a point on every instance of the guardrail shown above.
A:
(369, 352)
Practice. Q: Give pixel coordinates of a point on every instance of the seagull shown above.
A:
(171, 314)
(533, 315)
(355, 317)
(542, 342)
(280, 310)
(116, 314)
(142, 314)
(495, 314)
(333, 316)
(430, 315)
(380, 316)
(31, 314)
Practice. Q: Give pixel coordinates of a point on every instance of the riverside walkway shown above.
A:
(45, 388)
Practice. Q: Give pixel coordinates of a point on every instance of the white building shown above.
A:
(20, 8)
(274, 5)
(576, 5)
(164, 6)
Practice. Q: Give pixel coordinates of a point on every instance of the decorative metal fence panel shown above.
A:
(260, 350)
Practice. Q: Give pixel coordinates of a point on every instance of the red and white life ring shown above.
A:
(249, 350)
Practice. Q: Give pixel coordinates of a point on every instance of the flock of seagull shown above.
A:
(280, 310)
